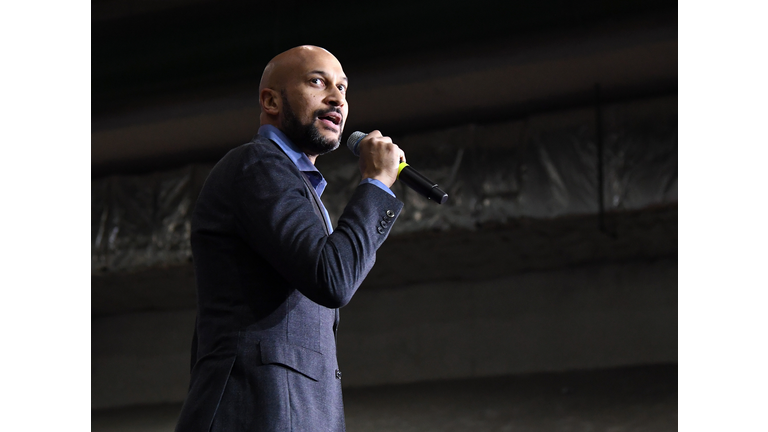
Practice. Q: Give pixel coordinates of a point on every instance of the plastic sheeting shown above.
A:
(544, 166)
(143, 221)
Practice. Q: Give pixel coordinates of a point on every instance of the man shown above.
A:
(271, 273)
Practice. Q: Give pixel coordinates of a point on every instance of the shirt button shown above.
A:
(338, 374)
(390, 213)
(380, 230)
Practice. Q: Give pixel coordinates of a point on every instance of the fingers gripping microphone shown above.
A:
(405, 173)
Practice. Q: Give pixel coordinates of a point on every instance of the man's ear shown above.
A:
(270, 101)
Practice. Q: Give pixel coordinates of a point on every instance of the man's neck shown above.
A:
(312, 158)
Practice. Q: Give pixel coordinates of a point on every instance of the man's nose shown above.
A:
(336, 98)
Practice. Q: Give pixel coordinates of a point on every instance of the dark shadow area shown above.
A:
(629, 399)
(144, 55)
(642, 398)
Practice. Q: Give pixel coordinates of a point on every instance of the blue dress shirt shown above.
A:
(304, 165)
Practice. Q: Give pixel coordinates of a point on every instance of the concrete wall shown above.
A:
(633, 398)
(573, 318)
(582, 317)
(140, 358)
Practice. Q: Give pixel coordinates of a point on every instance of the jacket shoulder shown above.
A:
(257, 148)
(244, 157)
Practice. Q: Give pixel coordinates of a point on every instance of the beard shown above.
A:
(307, 136)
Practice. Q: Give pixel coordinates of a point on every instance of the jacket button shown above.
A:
(383, 223)
(390, 213)
(338, 374)
(380, 230)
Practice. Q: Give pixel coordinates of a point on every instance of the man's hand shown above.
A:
(380, 158)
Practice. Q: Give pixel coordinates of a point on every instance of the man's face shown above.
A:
(315, 105)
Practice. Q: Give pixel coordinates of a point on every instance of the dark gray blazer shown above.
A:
(269, 282)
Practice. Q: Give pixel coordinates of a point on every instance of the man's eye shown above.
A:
(342, 88)
(316, 81)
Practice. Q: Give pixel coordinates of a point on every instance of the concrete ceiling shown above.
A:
(155, 106)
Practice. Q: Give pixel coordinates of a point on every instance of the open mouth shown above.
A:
(331, 117)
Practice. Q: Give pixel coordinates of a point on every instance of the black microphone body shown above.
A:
(412, 178)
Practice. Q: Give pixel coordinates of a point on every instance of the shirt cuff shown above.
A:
(379, 184)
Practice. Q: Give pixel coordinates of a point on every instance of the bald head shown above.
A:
(303, 93)
(288, 63)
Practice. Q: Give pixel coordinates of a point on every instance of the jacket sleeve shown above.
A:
(276, 218)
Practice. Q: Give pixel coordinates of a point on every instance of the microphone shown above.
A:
(405, 173)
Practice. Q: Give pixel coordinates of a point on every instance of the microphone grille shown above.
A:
(354, 140)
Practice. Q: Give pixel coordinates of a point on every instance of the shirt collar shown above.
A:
(298, 157)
